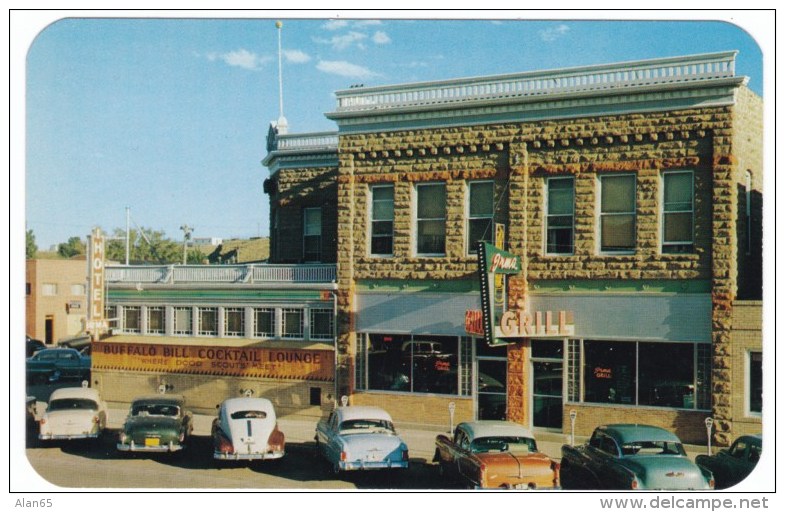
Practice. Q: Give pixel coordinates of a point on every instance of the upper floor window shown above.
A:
(431, 218)
(292, 320)
(480, 214)
(78, 289)
(264, 322)
(208, 322)
(132, 319)
(156, 320)
(321, 324)
(560, 217)
(49, 289)
(678, 208)
(312, 234)
(617, 213)
(234, 322)
(382, 220)
(183, 321)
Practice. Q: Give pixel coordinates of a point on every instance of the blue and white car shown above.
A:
(360, 438)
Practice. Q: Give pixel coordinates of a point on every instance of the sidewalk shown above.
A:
(420, 439)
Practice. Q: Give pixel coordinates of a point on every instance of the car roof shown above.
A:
(160, 399)
(494, 428)
(56, 349)
(362, 412)
(754, 438)
(624, 433)
(247, 403)
(75, 392)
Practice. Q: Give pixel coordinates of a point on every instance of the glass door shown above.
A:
(547, 363)
(491, 381)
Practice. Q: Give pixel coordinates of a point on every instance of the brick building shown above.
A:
(55, 298)
(632, 195)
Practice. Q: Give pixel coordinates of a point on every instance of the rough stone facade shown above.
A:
(295, 190)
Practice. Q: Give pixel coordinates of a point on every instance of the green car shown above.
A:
(157, 423)
(630, 457)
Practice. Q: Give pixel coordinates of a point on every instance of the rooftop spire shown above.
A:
(282, 125)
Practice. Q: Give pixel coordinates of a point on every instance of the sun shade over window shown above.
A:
(250, 415)
(70, 404)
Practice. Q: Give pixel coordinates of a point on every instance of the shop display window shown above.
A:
(420, 364)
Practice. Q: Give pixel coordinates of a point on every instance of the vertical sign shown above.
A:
(492, 262)
(499, 280)
(95, 296)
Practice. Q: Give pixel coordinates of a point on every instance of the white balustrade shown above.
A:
(194, 274)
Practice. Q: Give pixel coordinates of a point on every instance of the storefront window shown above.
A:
(321, 324)
(420, 364)
(132, 319)
(609, 372)
(183, 326)
(431, 218)
(756, 382)
(208, 321)
(156, 320)
(666, 375)
(234, 322)
(292, 323)
(264, 323)
(382, 220)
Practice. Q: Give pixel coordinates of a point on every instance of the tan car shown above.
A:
(495, 455)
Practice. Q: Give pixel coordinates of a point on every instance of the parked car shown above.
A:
(73, 413)
(52, 364)
(732, 465)
(625, 457)
(247, 429)
(33, 345)
(493, 454)
(78, 341)
(158, 423)
(360, 438)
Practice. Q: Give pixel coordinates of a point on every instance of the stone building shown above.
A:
(632, 195)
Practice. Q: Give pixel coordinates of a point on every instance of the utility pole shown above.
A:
(186, 236)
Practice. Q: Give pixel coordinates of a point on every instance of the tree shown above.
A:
(73, 247)
(30, 247)
(145, 246)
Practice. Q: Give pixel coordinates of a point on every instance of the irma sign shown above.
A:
(498, 326)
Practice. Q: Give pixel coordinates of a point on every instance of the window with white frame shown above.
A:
(183, 321)
(292, 320)
(431, 219)
(678, 209)
(560, 216)
(321, 324)
(755, 383)
(49, 289)
(234, 322)
(382, 200)
(264, 323)
(480, 215)
(312, 234)
(156, 320)
(78, 289)
(617, 213)
(110, 313)
(208, 321)
(132, 319)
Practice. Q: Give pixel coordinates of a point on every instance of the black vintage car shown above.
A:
(53, 364)
(734, 464)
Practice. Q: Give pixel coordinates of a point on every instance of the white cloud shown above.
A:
(552, 34)
(335, 24)
(367, 23)
(343, 68)
(296, 56)
(381, 38)
(241, 58)
(344, 41)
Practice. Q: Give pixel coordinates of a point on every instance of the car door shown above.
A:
(603, 457)
(68, 363)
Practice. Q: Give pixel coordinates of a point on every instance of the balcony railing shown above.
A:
(307, 141)
(211, 274)
(606, 77)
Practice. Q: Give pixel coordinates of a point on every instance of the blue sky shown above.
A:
(169, 116)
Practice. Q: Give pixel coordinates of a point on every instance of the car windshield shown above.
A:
(499, 444)
(71, 404)
(366, 426)
(155, 410)
(652, 448)
(242, 415)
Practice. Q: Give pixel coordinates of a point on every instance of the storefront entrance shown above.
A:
(491, 381)
(547, 383)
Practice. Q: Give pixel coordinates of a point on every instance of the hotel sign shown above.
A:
(252, 362)
(95, 322)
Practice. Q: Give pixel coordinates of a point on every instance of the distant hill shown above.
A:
(253, 250)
